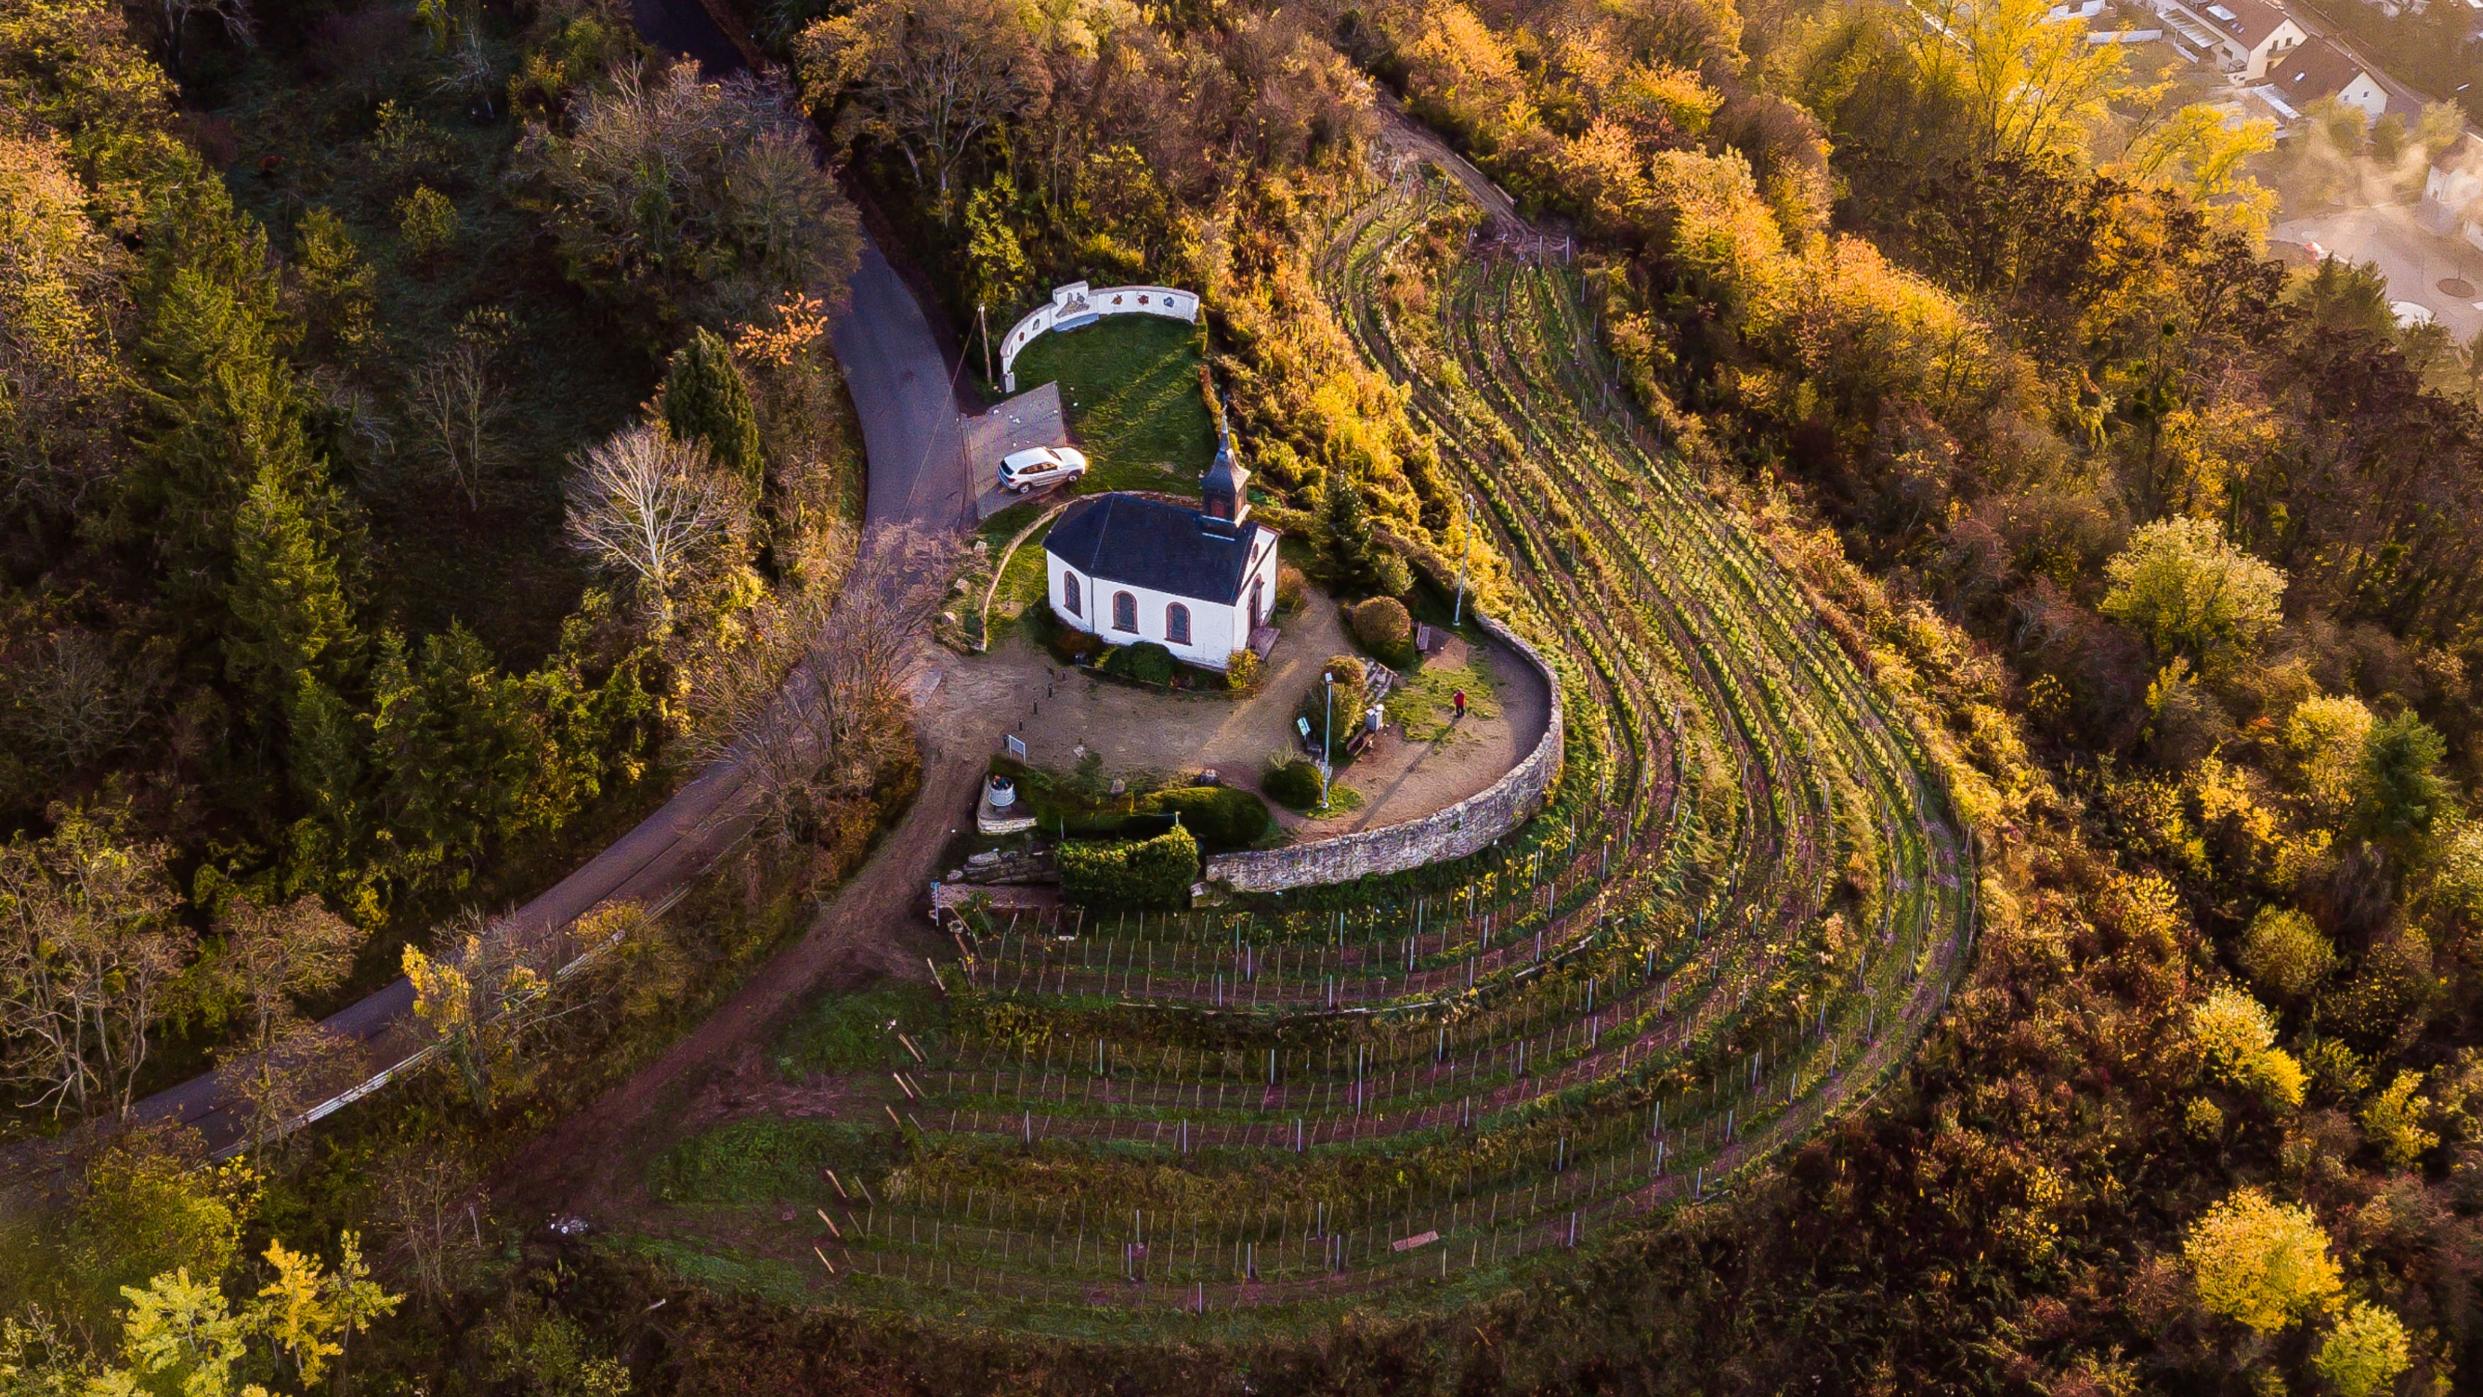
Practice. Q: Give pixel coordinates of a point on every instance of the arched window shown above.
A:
(1124, 612)
(1176, 624)
(1069, 594)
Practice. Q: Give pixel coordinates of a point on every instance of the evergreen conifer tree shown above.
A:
(287, 603)
(706, 400)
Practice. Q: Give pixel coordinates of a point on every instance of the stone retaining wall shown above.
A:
(1453, 833)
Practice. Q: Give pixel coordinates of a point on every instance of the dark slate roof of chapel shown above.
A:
(1151, 544)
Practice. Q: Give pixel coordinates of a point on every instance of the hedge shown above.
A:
(1292, 782)
(1221, 817)
(1154, 872)
(1146, 662)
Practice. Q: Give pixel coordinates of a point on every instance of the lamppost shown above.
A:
(1327, 735)
(1459, 619)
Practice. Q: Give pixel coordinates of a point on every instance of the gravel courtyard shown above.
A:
(1138, 732)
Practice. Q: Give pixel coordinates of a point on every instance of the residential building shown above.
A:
(2319, 71)
(2244, 38)
(2453, 191)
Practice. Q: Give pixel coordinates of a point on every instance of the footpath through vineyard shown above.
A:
(1743, 904)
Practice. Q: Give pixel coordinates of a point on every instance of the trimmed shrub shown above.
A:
(1291, 782)
(1384, 627)
(1146, 662)
(1396, 576)
(1153, 872)
(1220, 817)
(1241, 671)
(1067, 644)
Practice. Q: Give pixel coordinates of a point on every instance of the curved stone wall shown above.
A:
(1452, 833)
(1077, 303)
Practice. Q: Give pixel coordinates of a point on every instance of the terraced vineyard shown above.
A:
(1740, 908)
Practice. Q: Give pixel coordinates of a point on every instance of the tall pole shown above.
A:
(983, 319)
(1327, 736)
(1459, 618)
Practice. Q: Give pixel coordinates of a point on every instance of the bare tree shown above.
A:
(274, 956)
(457, 406)
(820, 722)
(466, 67)
(72, 695)
(431, 1203)
(239, 25)
(653, 511)
(300, 1065)
(89, 953)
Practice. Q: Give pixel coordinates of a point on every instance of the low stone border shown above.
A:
(1000, 569)
(1450, 833)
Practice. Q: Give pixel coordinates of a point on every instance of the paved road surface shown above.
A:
(2413, 258)
(905, 393)
(902, 395)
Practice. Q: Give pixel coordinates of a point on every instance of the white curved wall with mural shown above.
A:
(1079, 304)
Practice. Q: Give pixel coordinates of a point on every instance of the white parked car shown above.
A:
(1040, 466)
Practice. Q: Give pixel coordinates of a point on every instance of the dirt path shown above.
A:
(873, 928)
(1401, 133)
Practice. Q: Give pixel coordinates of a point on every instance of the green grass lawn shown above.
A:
(1130, 384)
(1423, 705)
(766, 1159)
(851, 1033)
(1022, 583)
(1343, 800)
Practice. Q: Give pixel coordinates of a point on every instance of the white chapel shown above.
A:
(1199, 582)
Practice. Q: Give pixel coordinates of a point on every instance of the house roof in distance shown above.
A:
(1153, 544)
(2313, 70)
(2252, 20)
(2466, 152)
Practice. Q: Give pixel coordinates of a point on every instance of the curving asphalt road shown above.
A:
(903, 394)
